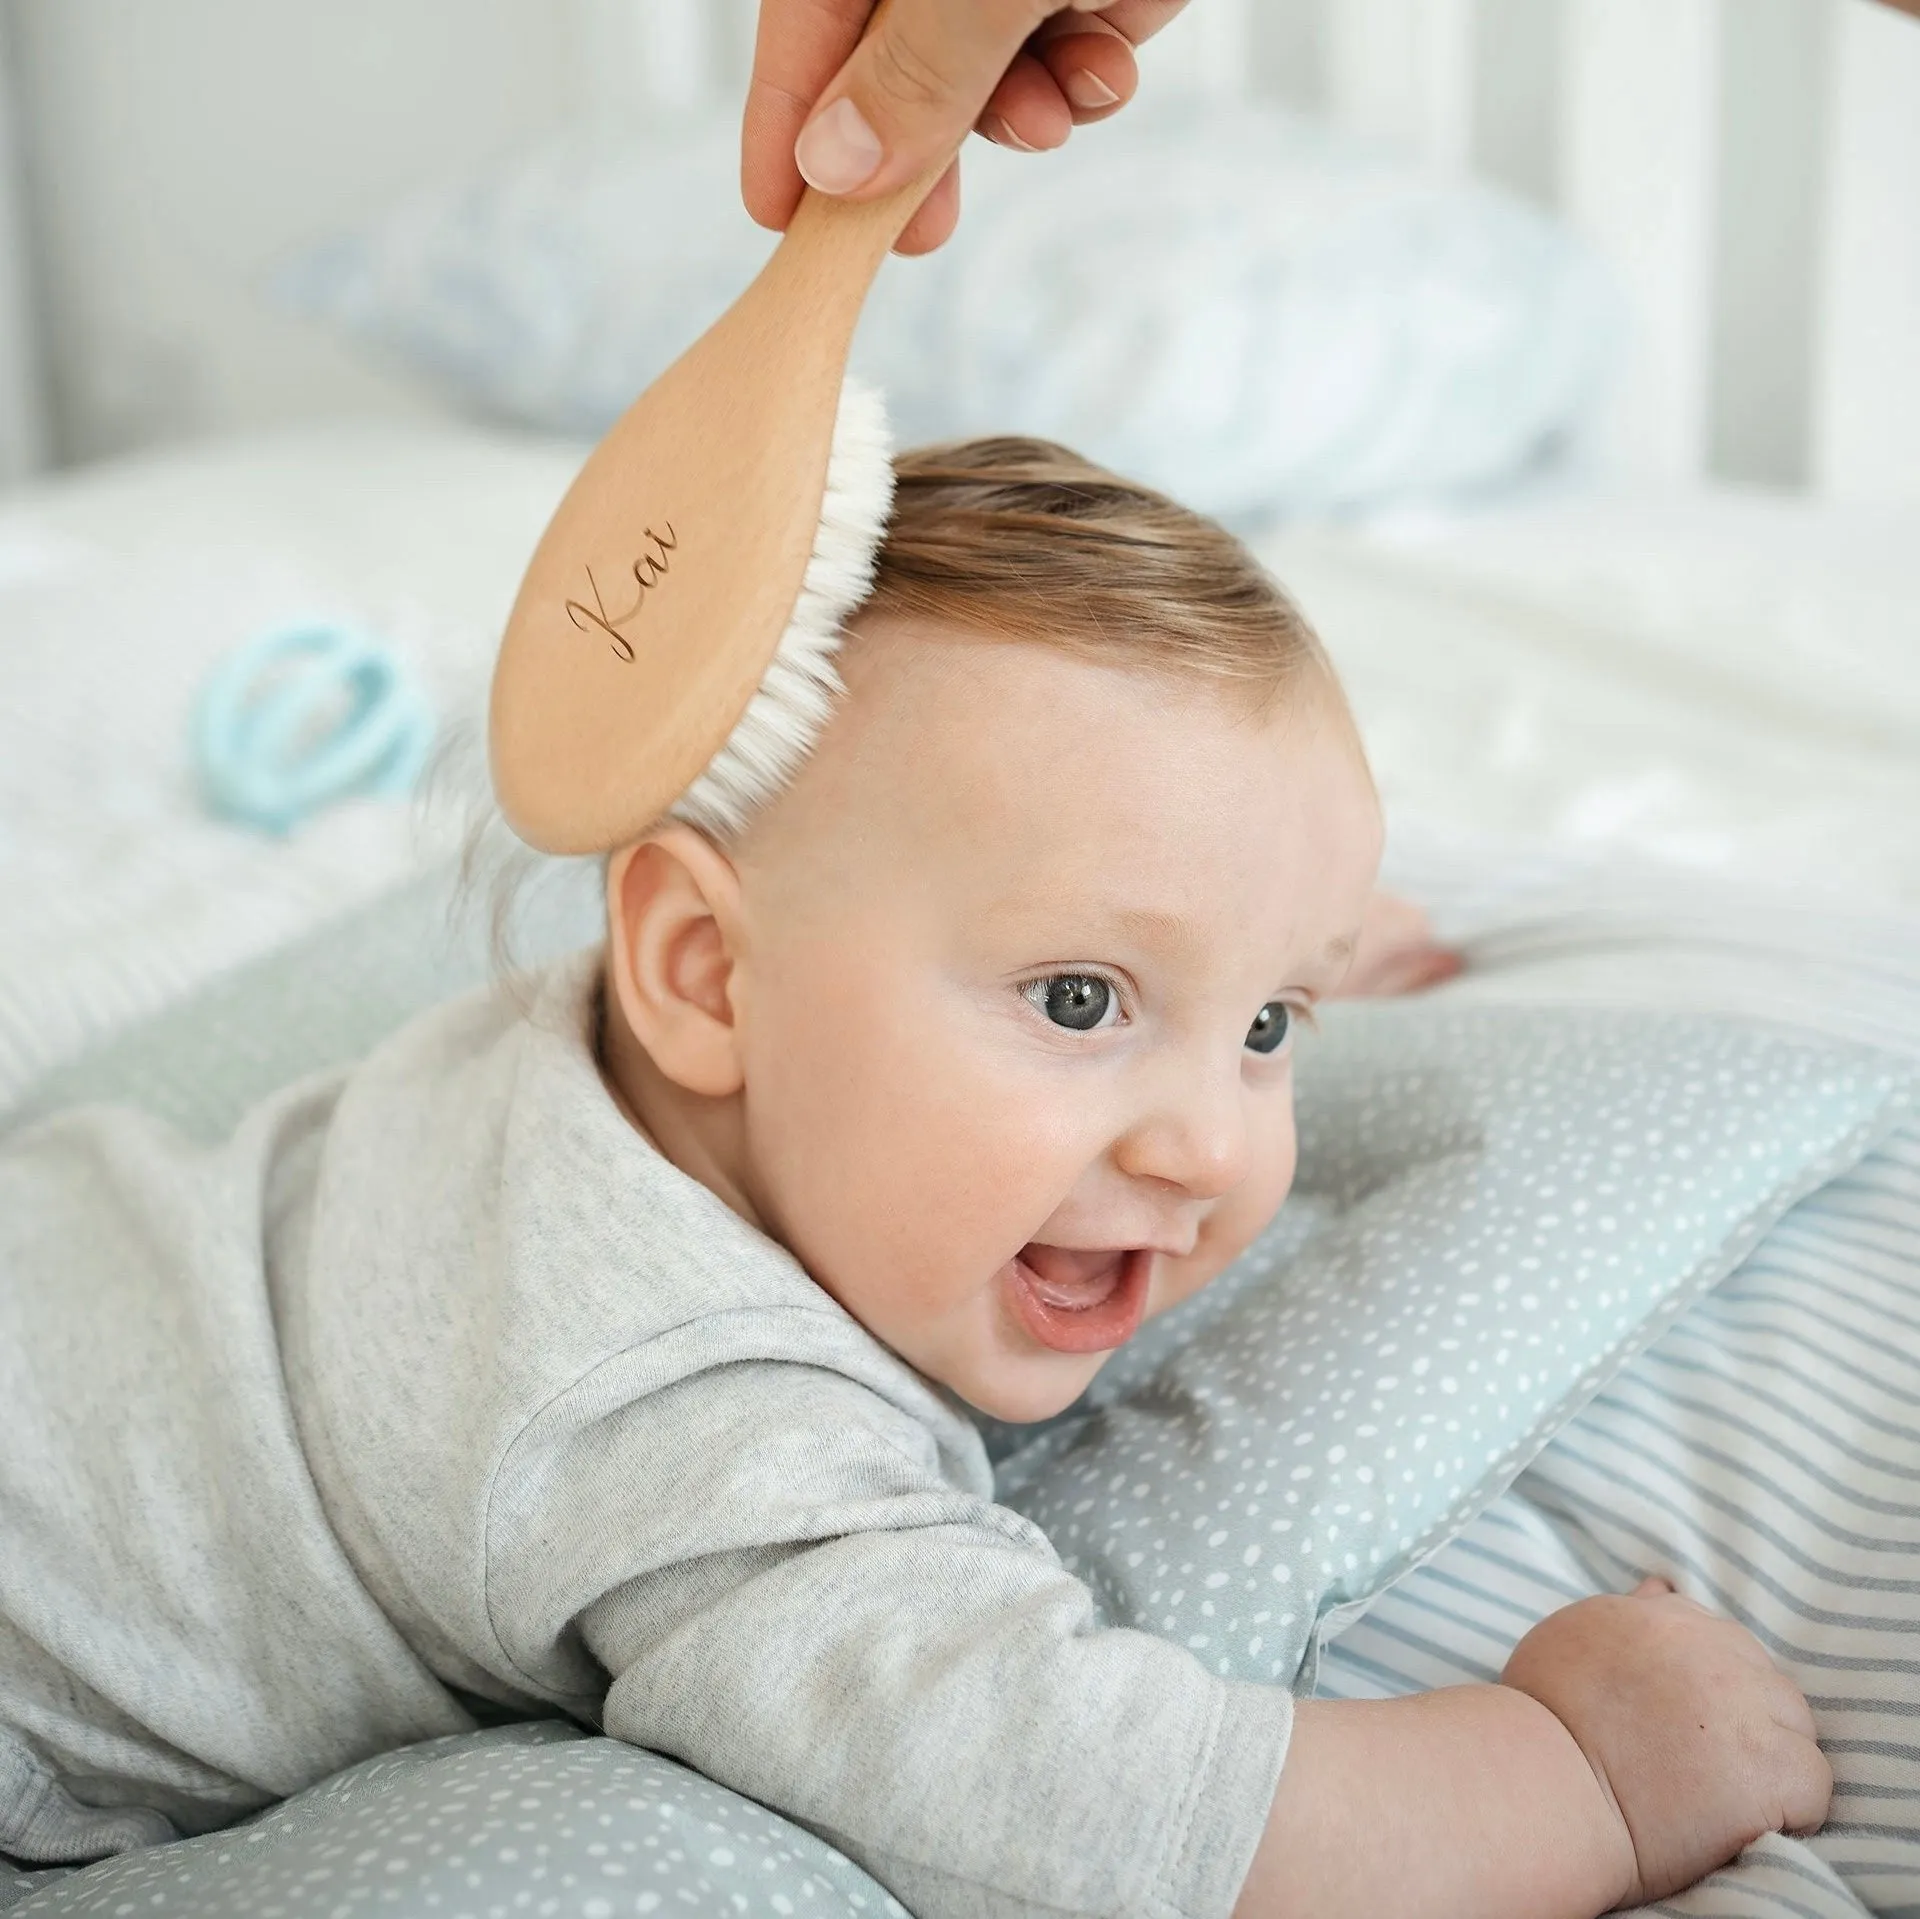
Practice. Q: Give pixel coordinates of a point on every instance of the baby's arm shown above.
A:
(1470, 1801)
(1633, 1745)
(785, 1591)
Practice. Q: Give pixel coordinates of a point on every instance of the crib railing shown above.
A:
(22, 426)
(1750, 168)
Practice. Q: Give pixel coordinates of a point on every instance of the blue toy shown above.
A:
(303, 716)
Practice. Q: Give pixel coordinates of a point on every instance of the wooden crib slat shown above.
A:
(1638, 149)
(1517, 59)
(1776, 61)
(1287, 53)
(1208, 50)
(1866, 408)
(1401, 71)
(677, 50)
(23, 424)
(662, 55)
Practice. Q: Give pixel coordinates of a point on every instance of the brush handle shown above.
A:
(833, 249)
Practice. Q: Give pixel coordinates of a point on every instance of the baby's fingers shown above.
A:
(1787, 1707)
(1804, 1786)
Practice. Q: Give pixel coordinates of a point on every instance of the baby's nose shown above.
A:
(1198, 1144)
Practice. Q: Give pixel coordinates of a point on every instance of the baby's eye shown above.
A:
(1078, 1001)
(1270, 1027)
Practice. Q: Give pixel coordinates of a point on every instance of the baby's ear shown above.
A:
(672, 907)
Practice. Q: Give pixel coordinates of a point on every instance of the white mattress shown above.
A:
(1729, 683)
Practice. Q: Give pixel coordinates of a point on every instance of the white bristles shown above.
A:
(783, 719)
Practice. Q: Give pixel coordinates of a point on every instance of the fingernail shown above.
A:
(1004, 135)
(1089, 91)
(837, 151)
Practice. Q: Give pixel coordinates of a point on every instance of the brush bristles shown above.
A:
(784, 718)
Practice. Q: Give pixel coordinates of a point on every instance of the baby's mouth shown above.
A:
(1080, 1299)
(1072, 1276)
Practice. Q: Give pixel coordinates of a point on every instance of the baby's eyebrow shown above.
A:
(1155, 926)
(1170, 931)
(1330, 967)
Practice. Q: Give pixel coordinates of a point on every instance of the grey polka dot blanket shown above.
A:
(1329, 1472)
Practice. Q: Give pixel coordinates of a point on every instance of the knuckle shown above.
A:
(1808, 1796)
(916, 61)
(1140, 20)
(907, 73)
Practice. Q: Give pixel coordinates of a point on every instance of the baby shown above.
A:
(619, 1359)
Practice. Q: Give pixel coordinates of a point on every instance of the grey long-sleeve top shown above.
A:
(437, 1383)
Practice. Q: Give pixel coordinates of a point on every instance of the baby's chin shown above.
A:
(1023, 1395)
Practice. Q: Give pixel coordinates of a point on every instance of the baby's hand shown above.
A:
(1699, 1741)
(1396, 952)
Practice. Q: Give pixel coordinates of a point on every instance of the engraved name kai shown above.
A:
(648, 571)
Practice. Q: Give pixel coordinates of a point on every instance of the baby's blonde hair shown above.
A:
(1024, 540)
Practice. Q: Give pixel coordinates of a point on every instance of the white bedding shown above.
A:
(1730, 683)
(1726, 681)
(118, 590)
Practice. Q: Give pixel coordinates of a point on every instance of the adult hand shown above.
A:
(862, 117)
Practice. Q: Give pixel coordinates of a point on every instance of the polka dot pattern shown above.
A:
(522, 1822)
(1496, 1208)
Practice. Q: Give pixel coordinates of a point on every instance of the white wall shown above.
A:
(178, 149)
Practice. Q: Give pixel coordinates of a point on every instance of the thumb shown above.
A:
(1653, 1587)
(912, 88)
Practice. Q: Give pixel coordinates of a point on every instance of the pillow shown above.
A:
(1496, 1209)
(534, 1818)
(1243, 308)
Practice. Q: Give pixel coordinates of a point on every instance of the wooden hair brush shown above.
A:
(723, 521)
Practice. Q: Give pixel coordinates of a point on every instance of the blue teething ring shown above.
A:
(266, 750)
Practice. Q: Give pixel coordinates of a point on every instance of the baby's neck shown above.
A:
(704, 1138)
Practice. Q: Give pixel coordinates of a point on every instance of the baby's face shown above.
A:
(1025, 950)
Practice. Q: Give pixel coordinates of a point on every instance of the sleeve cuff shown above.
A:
(1212, 1843)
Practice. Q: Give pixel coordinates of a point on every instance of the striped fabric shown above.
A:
(1765, 1453)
